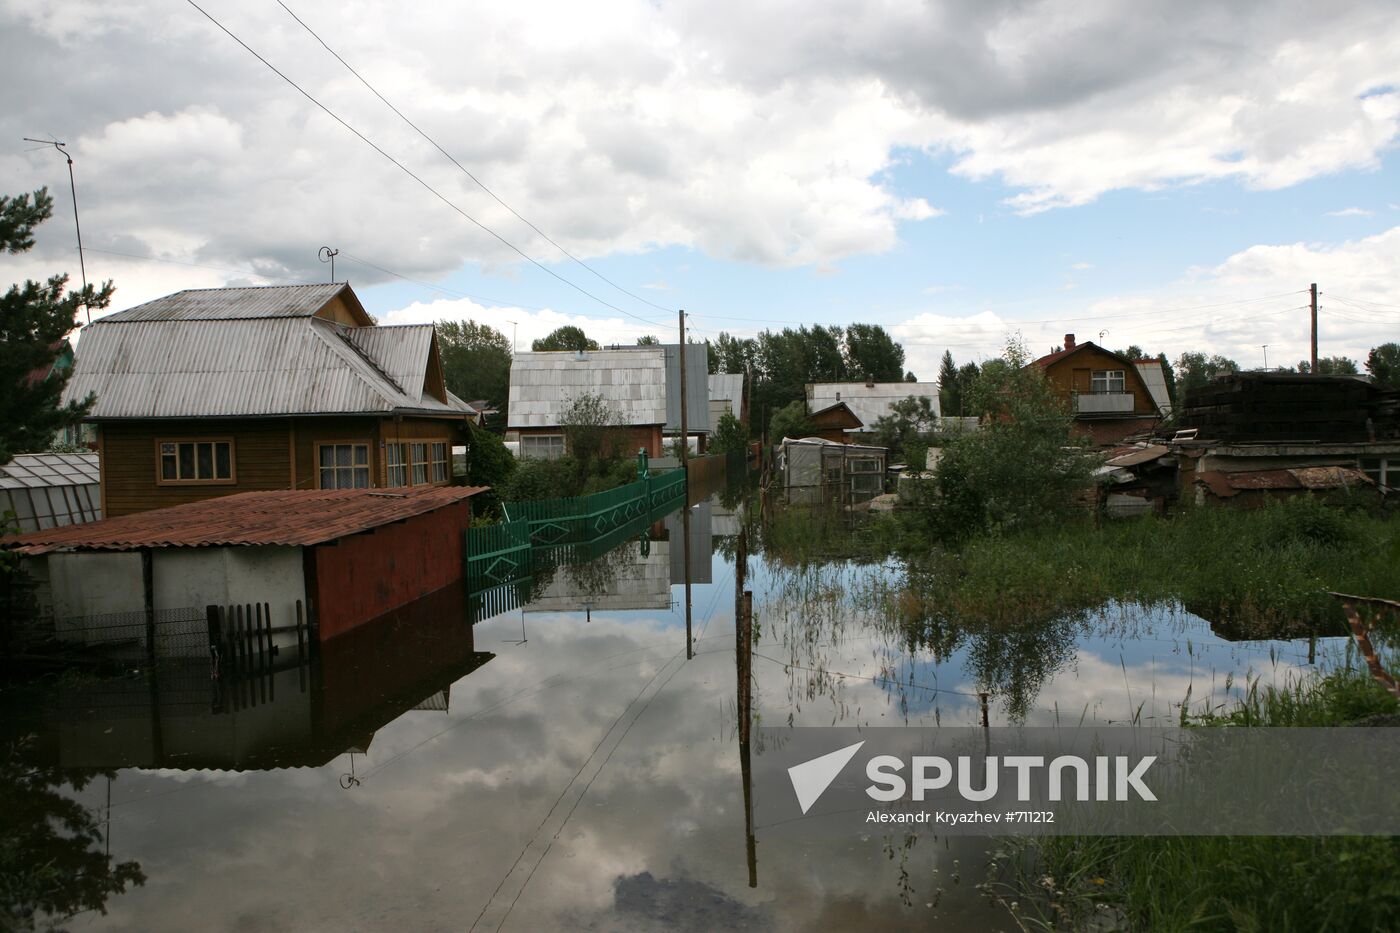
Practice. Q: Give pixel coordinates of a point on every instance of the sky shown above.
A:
(1171, 175)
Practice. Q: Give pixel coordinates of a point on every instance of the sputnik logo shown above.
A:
(811, 778)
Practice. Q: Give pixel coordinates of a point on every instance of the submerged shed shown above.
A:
(342, 557)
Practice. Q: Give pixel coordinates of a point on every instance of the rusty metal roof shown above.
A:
(1225, 484)
(289, 517)
(1138, 455)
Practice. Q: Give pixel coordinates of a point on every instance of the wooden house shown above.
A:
(1110, 396)
(835, 422)
(209, 392)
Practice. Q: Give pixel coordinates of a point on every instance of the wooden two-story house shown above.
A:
(1110, 396)
(209, 392)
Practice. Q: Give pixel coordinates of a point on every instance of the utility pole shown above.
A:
(1314, 328)
(1265, 348)
(73, 188)
(685, 436)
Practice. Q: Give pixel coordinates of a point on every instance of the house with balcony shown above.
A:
(1110, 396)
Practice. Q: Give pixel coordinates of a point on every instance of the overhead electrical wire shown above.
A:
(410, 173)
(482, 185)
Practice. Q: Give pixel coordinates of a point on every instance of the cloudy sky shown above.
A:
(1172, 175)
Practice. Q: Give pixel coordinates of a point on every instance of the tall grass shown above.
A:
(1259, 567)
(1225, 883)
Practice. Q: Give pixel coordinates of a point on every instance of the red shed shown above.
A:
(347, 555)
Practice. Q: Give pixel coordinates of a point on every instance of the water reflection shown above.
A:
(561, 764)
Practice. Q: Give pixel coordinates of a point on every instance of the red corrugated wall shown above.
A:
(361, 577)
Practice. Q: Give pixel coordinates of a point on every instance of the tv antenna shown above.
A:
(326, 254)
(73, 188)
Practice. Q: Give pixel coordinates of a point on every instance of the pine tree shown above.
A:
(35, 319)
(949, 389)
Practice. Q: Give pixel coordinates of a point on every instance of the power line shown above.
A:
(1364, 301)
(438, 288)
(482, 185)
(410, 173)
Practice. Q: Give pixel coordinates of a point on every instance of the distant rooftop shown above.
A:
(868, 402)
(290, 517)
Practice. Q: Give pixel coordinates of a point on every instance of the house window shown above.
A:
(1385, 471)
(416, 463)
(343, 466)
(865, 465)
(542, 446)
(395, 464)
(420, 463)
(194, 461)
(1108, 382)
(438, 463)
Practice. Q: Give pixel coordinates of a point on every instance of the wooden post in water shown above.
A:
(685, 532)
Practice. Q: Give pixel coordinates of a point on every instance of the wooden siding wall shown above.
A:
(274, 453)
(261, 461)
(1073, 374)
(625, 441)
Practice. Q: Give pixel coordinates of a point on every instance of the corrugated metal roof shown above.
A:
(632, 381)
(33, 471)
(251, 366)
(869, 403)
(1226, 484)
(1152, 374)
(224, 304)
(727, 386)
(291, 517)
(1139, 455)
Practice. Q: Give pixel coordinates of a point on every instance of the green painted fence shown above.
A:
(576, 519)
(500, 553)
(497, 553)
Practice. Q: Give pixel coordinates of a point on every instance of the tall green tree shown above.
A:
(648, 340)
(475, 361)
(1383, 363)
(871, 353)
(1331, 366)
(729, 435)
(35, 319)
(789, 421)
(1194, 370)
(567, 337)
(949, 388)
(1022, 468)
(907, 431)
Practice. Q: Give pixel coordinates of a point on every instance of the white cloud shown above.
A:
(1351, 212)
(528, 325)
(758, 133)
(1082, 266)
(1255, 296)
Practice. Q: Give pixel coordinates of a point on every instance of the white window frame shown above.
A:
(553, 445)
(1103, 382)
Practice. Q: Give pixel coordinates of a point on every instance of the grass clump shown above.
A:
(1220, 883)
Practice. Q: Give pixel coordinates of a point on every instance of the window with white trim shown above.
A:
(438, 466)
(395, 464)
(195, 461)
(1108, 382)
(542, 446)
(343, 466)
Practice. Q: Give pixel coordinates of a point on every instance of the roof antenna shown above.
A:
(73, 187)
(326, 254)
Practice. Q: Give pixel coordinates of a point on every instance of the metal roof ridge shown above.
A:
(360, 354)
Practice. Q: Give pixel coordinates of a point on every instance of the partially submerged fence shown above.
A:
(500, 553)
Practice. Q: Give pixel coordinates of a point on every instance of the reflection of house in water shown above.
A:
(296, 716)
(635, 575)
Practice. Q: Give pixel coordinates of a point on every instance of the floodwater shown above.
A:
(561, 764)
